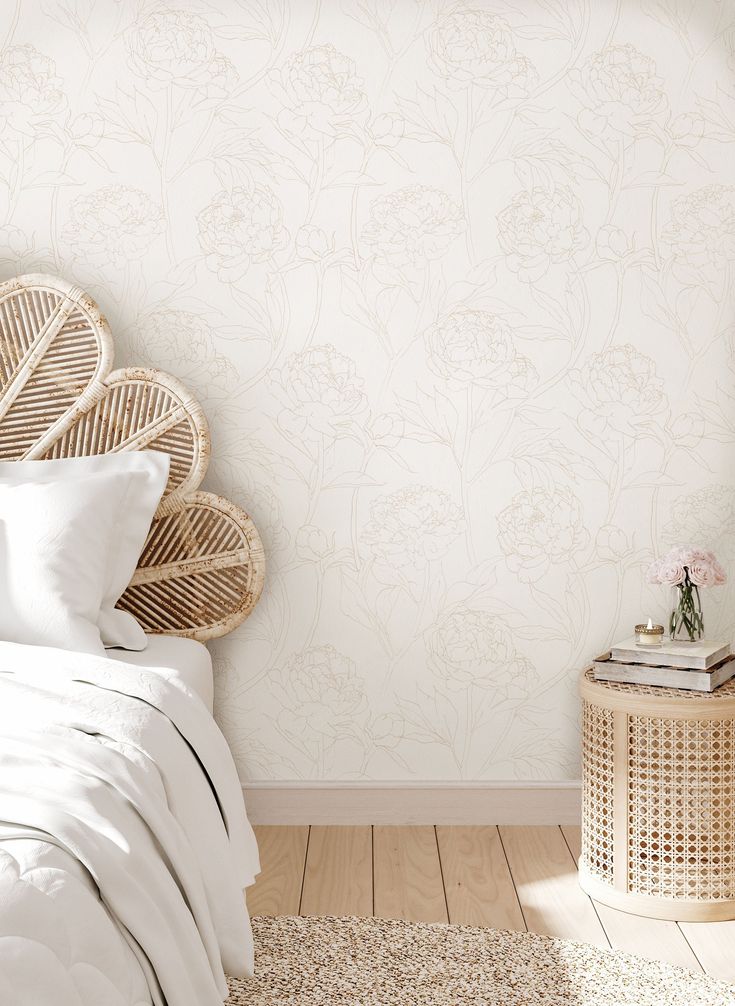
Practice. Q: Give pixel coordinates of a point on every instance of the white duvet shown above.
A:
(124, 845)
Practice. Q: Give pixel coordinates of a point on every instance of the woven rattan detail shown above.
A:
(681, 798)
(202, 568)
(597, 791)
(658, 800)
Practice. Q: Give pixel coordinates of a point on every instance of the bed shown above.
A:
(124, 843)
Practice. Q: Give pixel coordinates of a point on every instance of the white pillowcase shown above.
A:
(119, 494)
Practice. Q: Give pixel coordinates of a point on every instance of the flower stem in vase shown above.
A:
(687, 621)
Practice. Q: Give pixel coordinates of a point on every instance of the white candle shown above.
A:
(649, 634)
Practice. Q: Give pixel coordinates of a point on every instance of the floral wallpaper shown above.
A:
(454, 284)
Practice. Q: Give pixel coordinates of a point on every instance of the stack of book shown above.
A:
(701, 667)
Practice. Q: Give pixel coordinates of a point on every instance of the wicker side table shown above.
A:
(658, 800)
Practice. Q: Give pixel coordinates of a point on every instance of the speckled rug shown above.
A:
(375, 962)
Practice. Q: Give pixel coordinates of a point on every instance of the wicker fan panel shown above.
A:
(201, 572)
(202, 568)
(54, 351)
(143, 409)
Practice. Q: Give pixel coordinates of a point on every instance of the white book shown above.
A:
(697, 656)
(606, 669)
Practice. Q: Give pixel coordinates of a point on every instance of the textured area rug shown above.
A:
(375, 962)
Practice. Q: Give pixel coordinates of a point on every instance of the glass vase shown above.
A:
(687, 621)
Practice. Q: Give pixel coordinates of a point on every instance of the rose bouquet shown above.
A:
(686, 569)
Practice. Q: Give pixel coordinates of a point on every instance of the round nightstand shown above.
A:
(658, 800)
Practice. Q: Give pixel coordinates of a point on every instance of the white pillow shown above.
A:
(144, 475)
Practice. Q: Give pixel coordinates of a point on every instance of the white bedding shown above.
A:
(124, 845)
(184, 659)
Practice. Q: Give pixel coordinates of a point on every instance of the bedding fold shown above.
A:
(126, 772)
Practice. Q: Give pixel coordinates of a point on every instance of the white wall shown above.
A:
(455, 288)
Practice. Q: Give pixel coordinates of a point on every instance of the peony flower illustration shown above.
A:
(469, 346)
(701, 233)
(241, 226)
(31, 94)
(323, 395)
(387, 429)
(612, 244)
(387, 130)
(476, 46)
(612, 543)
(414, 225)
(538, 528)
(620, 91)
(312, 244)
(412, 526)
(313, 544)
(619, 390)
(706, 515)
(321, 693)
(541, 227)
(113, 226)
(323, 94)
(177, 47)
(476, 648)
(184, 343)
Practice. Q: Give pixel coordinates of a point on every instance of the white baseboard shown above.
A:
(412, 803)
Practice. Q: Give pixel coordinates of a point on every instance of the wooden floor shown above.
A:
(509, 878)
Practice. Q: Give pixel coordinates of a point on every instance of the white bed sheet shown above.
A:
(121, 804)
(189, 660)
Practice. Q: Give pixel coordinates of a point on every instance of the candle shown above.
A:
(649, 634)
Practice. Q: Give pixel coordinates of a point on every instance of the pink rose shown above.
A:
(702, 573)
(671, 573)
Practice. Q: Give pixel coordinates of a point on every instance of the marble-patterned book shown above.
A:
(699, 656)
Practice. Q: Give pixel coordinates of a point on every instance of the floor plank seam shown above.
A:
(372, 866)
(512, 878)
(441, 874)
(303, 871)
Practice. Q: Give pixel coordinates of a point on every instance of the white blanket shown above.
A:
(124, 845)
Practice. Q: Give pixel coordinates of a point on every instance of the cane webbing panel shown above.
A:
(681, 808)
(597, 790)
(658, 799)
(202, 568)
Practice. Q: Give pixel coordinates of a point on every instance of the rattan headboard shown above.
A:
(202, 569)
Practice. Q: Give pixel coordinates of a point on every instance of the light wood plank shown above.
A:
(545, 878)
(338, 879)
(653, 938)
(477, 882)
(277, 890)
(407, 874)
(714, 945)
